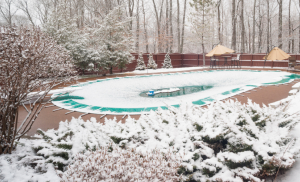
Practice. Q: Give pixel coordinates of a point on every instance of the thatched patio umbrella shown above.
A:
(219, 50)
(276, 54)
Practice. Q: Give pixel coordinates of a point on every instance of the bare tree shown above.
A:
(219, 21)
(130, 11)
(23, 5)
(31, 65)
(137, 46)
(233, 20)
(8, 11)
(199, 18)
(183, 25)
(290, 27)
(145, 29)
(43, 8)
(167, 26)
(158, 16)
(268, 25)
(253, 27)
(243, 27)
(171, 26)
(178, 26)
(280, 23)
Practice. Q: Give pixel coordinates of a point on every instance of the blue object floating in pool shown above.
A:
(151, 93)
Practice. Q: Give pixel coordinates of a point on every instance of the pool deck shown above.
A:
(49, 118)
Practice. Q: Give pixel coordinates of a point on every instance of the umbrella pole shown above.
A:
(272, 64)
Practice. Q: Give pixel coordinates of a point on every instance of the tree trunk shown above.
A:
(167, 26)
(219, 22)
(183, 25)
(202, 37)
(243, 27)
(178, 26)
(253, 28)
(280, 24)
(158, 26)
(233, 19)
(171, 27)
(290, 30)
(137, 46)
(268, 26)
(130, 11)
(145, 29)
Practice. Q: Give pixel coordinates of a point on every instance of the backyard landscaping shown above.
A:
(223, 141)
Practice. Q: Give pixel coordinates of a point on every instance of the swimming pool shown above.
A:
(127, 95)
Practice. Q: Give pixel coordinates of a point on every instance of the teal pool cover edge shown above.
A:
(70, 104)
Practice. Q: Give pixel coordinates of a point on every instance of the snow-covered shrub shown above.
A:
(24, 165)
(61, 145)
(151, 62)
(31, 64)
(167, 61)
(116, 164)
(226, 141)
(140, 64)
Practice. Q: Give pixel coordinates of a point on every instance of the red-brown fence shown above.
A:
(194, 60)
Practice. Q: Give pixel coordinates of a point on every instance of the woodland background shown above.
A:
(182, 26)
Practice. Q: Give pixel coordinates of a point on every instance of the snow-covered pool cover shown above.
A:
(122, 95)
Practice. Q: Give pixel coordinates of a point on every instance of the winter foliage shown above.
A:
(151, 62)
(63, 29)
(107, 43)
(140, 62)
(31, 65)
(116, 164)
(113, 41)
(167, 61)
(226, 141)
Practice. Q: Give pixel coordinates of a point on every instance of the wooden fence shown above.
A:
(195, 60)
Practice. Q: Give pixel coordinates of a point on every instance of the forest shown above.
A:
(183, 26)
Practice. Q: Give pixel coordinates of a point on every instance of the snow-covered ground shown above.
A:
(110, 94)
(293, 107)
(255, 137)
(164, 70)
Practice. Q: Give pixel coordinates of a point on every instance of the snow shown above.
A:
(296, 86)
(293, 106)
(167, 90)
(56, 91)
(164, 70)
(15, 167)
(188, 131)
(124, 92)
(293, 91)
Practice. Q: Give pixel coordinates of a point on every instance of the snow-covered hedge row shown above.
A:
(226, 141)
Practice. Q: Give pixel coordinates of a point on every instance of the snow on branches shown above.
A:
(112, 41)
(224, 142)
(167, 61)
(116, 164)
(151, 62)
(140, 65)
(30, 62)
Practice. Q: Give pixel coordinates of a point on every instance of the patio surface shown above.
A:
(48, 119)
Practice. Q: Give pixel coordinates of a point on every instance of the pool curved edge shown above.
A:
(69, 104)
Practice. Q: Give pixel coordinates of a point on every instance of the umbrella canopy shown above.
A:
(277, 54)
(219, 50)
